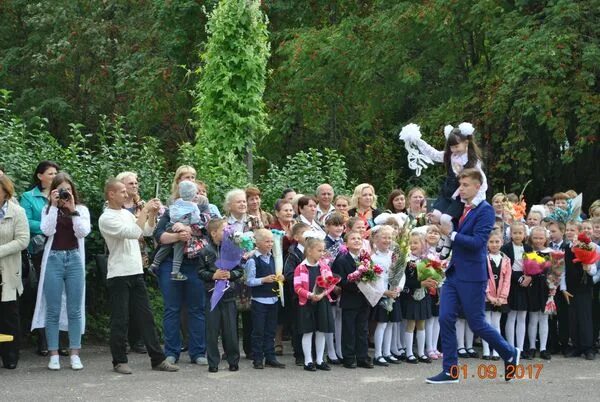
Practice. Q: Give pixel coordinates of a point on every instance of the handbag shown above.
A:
(29, 275)
(37, 243)
(102, 264)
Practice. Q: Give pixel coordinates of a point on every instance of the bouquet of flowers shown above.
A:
(399, 259)
(431, 268)
(367, 278)
(585, 251)
(245, 240)
(534, 264)
(557, 267)
(325, 284)
(278, 257)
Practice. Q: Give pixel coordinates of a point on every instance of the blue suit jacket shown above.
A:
(469, 249)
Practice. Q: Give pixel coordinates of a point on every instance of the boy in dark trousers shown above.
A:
(577, 286)
(223, 319)
(355, 308)
(261, 278)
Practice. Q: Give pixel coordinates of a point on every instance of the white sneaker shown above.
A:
(54, 363)
(76, 362)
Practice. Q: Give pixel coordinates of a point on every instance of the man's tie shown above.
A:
(464, 214)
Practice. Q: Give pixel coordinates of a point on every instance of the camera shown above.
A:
(63, 194)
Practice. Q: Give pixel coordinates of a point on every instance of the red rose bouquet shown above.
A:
(585, 251)
(325, 284)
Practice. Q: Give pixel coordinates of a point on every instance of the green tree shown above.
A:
(230, 112)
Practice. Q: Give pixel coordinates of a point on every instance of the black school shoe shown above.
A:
(335, 362)
(544, 354)
(380, 361)
(424, 359)
(412, 360)
(213, 369)
(473, 353)
(464, 354)
(365, 364)
(590, 355)
(323, 366)
(234, 367)
(510, 367)
(258, 365)
(310, 367)
(274, 364)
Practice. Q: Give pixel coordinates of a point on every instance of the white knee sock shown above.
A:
(307, 347)
(330, 346)
(338, 332)
(543, 331)
(468, 337)
(408, 343)
(496, 316)
(460, 333)
(401, 331)
(319, 346)
(436, 332)
(378, 338)
(486, 347)
(387, 339)
(394, 346)
(429, 334)
(532, 329)
(521, 320)
(509, 328)
(421, 342)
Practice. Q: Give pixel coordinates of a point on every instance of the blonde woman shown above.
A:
(363, 204)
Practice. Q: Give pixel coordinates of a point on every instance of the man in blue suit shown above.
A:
(466, 282)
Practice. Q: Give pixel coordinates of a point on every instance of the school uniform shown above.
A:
(537, 291)
(379, 312)
(294, 258)
(558, 336)
(414, 309)
(311, 316)
(499, 272)
(355, 312)
(581, 285)
(222, 320)
(517, 297)
(263, 308)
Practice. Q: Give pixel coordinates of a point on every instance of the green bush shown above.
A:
(303, 172)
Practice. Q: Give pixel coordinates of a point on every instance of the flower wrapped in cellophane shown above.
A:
(368, 278)
(585, 251)
(557, 267)
(535, 264)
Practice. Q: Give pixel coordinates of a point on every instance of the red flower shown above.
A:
(435, 264)
(322, 282)
(584, 238)
(377, 269)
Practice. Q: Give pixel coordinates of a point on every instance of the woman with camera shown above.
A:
(33, 202)
(66, 223)
(14, 237)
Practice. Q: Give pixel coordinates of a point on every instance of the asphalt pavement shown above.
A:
(560, 378)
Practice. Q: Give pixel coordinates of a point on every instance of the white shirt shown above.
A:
(518, 263)
(121, 233)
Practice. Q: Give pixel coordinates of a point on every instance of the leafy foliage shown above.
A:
(230, 110)
(304, 172)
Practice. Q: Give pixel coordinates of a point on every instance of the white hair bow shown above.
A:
(314, 234)
(465, 128)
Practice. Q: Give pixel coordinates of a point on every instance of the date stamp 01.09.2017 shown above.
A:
(490, 371)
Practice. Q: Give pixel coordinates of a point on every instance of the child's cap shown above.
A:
(187, 190)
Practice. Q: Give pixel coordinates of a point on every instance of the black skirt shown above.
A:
(415, 310)
(380, 314)
(537, 293)
(517, 298)
(315, 317)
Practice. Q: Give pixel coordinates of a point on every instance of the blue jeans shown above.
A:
(64, 271)
(175, 294)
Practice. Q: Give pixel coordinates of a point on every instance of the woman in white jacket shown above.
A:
(61, 291)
